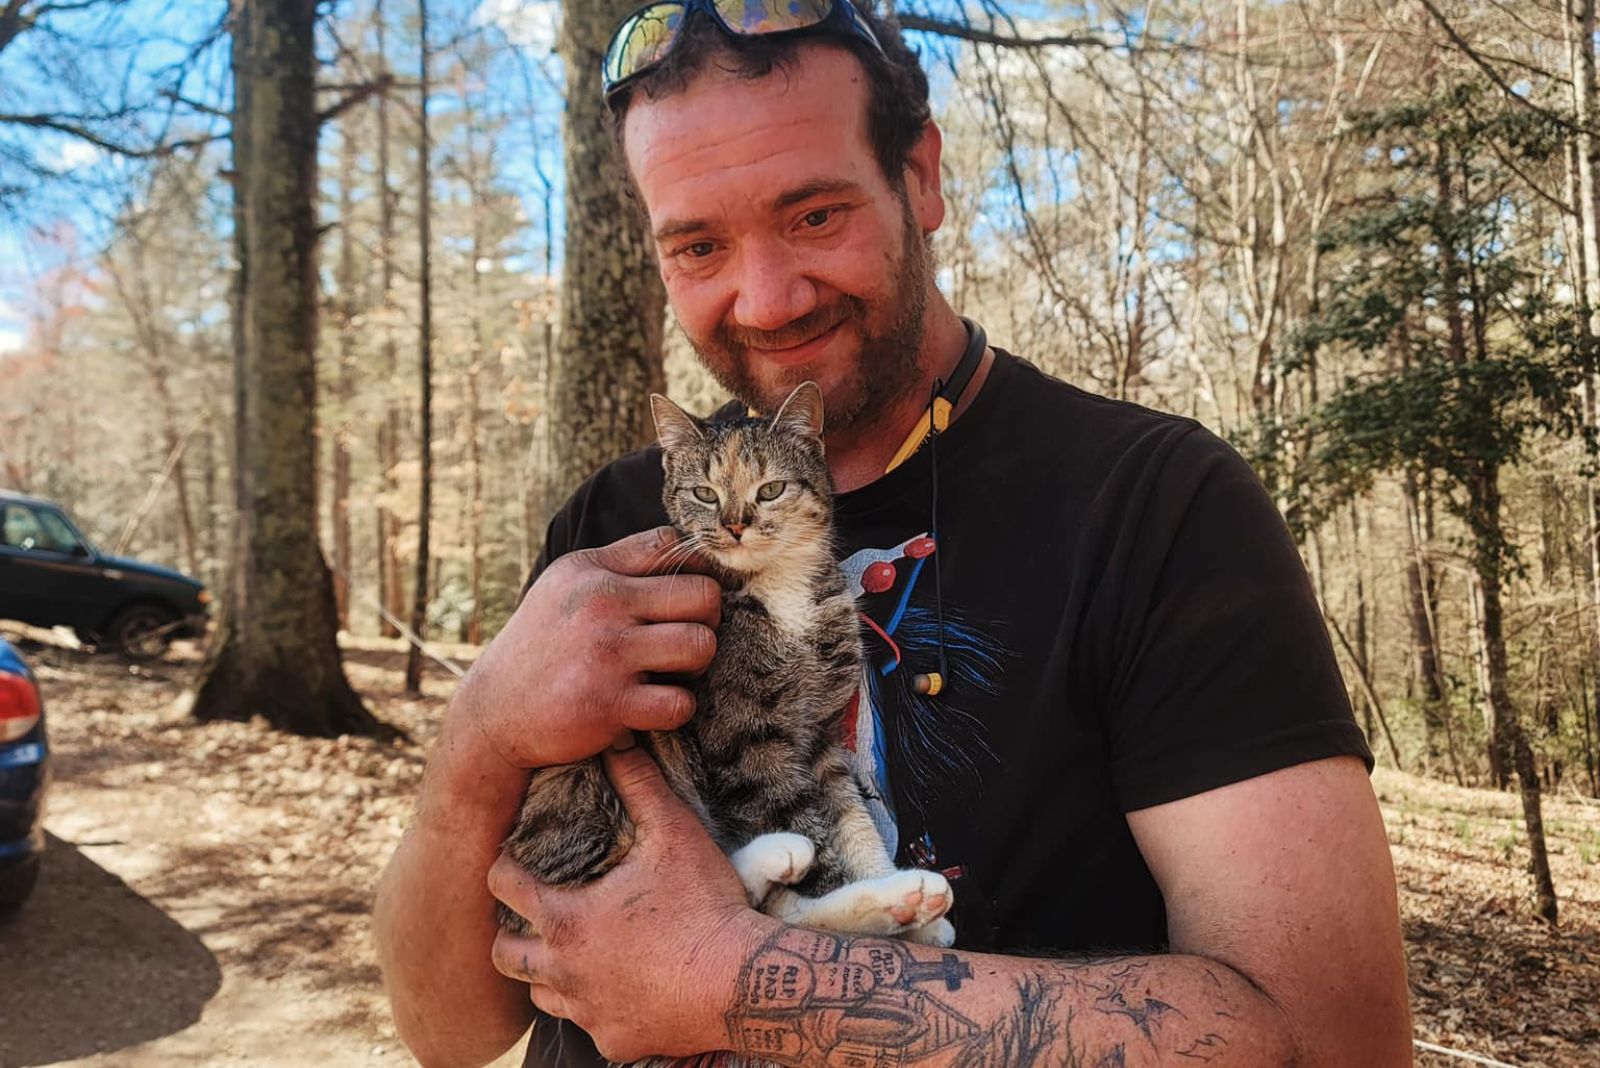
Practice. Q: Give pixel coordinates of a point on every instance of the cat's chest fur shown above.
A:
(791, 605)
(787, 660)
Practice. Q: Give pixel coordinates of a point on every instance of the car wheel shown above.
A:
(17, 882)
(141, 632)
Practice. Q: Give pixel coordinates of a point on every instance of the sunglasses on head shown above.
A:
(646, 37)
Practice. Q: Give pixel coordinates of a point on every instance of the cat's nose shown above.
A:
(736, 529)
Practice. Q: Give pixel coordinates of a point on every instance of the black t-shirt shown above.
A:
(1125, 622)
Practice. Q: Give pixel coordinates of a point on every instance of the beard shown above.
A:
(887, 364)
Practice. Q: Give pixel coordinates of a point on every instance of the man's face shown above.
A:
(787, 254)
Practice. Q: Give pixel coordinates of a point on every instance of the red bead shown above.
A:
(918, 548)
(878, 577)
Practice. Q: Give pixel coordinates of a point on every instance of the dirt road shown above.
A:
(206, 890)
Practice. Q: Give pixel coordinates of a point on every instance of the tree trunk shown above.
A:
(534, 485)
(180, 487)
(1365, 683)
(276, 655)
(1424, 638)
(1580, 30)
(390, 588)
(1361, 650)
(1591, 724)
(472, 623)
(608, 357)
(344, 389)
(419, 597)
(208, 489)
(1539, 860)
(1508, 745)
(1584, 253)
(474, 620)
(176, 444)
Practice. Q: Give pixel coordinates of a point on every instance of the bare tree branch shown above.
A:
(62, 124)
(1489, 71)
(967, 32)
(14, 20)
(196, 105)
(356, 95)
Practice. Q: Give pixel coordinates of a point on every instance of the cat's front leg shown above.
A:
(909, 904)
(768, 860)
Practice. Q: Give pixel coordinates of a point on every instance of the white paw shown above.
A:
(916, 898)
(939, 933)
(771, 859)
(890, 905)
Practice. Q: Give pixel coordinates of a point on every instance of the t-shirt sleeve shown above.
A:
(1221, 665)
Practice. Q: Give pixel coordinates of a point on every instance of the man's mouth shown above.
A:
(798, 353)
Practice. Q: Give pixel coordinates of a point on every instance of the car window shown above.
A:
(27, 528)
(62, 538)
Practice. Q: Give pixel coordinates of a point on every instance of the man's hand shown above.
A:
(576, 665)
(630, 957)
(579, 660)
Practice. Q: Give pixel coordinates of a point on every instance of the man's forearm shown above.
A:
(807, 999)
(434, 918)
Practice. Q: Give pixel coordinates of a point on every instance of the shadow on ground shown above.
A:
(89, 966)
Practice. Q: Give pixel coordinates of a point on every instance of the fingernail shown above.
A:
(623, 740)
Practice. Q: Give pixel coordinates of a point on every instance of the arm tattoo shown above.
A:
(808, 998)
(807, 995)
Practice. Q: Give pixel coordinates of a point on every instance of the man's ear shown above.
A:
(924, 179)
(802, 412)
(675, 427)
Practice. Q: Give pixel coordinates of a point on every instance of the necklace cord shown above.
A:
(933, 527)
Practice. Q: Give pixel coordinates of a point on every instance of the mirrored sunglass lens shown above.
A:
(772, 16)
(643, 41)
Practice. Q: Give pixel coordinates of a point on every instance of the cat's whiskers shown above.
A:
(671, 560)
(678, 553)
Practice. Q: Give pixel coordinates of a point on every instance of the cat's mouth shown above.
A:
(744, 555)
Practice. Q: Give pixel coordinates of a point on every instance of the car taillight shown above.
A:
(19, 706)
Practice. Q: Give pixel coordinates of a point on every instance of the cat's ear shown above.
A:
(802, 412)
(675, 427)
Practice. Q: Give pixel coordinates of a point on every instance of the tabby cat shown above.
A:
(759, 762)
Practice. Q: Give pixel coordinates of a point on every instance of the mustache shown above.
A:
(811, 325)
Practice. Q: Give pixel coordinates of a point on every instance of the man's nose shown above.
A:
(773, 292)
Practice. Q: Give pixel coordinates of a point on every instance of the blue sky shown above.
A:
(136, 54)
(94, 61)
(91, 182)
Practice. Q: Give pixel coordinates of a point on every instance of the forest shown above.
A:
(331, 305)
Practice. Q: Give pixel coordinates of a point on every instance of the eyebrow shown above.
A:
(787, 199)
(815, 188)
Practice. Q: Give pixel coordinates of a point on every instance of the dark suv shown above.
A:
(51, 576)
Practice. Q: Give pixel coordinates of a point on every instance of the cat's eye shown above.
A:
(705, 494)
(770, 491)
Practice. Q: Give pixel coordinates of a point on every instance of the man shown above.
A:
(1138, 766)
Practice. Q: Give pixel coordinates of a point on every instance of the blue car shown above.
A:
(24, 773)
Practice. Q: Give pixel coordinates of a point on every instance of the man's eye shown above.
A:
(818, 218)
(705, 494)
(699, 250)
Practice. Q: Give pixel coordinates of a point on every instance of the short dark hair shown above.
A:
(897, 87)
